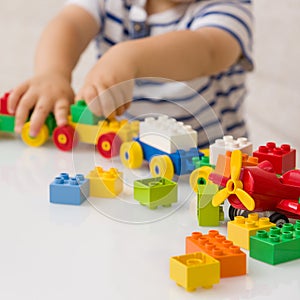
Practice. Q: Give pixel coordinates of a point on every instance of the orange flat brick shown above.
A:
(231, 258)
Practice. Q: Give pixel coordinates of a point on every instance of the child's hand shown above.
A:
(108, 87)
(42, 93)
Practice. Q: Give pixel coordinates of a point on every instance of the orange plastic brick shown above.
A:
(231, 258)
(223, 163)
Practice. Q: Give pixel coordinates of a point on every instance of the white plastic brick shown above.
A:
(167, 134)
(228, 143)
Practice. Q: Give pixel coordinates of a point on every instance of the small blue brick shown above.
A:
(69, 190)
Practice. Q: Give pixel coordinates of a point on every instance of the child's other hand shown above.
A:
(108, 87)
(42, 93)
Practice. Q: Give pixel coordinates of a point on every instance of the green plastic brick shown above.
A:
(51, 123)
(208, 215)
(202, 161)
(154, 192)
(278, 245)
(7, 123)
(81, 114)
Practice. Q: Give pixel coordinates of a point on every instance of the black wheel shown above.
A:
(279, 219)
(233, 212)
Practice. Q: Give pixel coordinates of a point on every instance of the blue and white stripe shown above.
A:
(212, 105)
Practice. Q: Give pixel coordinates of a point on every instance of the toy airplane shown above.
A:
(258, 188)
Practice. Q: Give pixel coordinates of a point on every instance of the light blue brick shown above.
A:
(69, 190)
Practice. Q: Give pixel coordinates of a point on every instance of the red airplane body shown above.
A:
(270, 192)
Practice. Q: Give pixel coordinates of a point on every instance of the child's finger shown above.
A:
(117, 94)
(15, 96)
(107, 102)
(127, 105)
(61, 110)
(39, 115)
(128, 92)
(120, 110)
(22, 111)
(89, 94)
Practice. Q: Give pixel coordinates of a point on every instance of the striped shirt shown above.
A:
(212, 105)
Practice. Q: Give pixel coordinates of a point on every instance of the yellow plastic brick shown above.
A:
(195, 270)
(105, 184)
(240, 229)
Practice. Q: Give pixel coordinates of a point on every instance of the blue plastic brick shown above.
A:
(69, 190)
(278, 245)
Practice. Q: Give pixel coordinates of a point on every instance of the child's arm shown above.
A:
(184, 55)
(58, 51)
(179, 55)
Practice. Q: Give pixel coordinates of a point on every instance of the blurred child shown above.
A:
(186, 59)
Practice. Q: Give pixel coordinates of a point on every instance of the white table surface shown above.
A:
(105, 248)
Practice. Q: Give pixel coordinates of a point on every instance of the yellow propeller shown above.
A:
(234, 185)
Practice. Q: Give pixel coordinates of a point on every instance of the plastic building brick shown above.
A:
(7, 123)
(50, 123)
(208, 215)
(183, 160)
(3, 104)
(195, 270)
(69, 190)
(153, 192)
(228, 143)
(105, 184)
(87, 133)
(167, 135)
(240, 229)
(231, 258)
(282, 158)
(81, 114)
(223, 163)
(201, 161)
(278, 245)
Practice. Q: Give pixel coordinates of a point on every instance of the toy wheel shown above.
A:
(109, 144)
(279, 219)
(233, 212)
(65, 137)
(131, 154)
(161, 165)
(199, 176)
(36, 141)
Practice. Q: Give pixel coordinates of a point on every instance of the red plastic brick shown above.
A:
(3, 104)
(282, 158)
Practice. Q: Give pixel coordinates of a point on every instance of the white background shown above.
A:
(64, 252)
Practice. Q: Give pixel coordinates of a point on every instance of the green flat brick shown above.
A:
(278, 245)
(7, 123)
(154, 192)
(81, 114)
